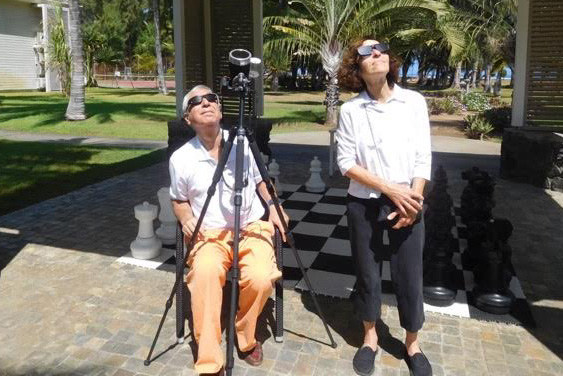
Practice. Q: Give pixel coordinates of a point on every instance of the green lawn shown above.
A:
(297, 111)
(140, 114)
(31, 172)
(111, 113)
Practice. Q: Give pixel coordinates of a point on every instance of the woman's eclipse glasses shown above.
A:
(366, 50)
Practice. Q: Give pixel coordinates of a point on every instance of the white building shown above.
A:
(23, 45)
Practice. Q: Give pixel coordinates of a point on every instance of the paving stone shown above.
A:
(498, 369)
(119, 348)
(288, 356)
(292, 345)
(451, 340)
(257, 372)
(282, 368)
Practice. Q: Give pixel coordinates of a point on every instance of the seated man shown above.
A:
(191, 170)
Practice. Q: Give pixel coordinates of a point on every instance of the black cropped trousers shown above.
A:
(366, 222)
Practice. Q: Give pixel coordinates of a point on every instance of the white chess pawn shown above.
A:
(264, 159)
(274, 171)
(315, 183)
(146, 246)
(167, 230)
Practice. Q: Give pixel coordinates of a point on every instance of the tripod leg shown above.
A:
(290, 240)
(278, 336)
(180, 316)
(167, 308)
(235, 271)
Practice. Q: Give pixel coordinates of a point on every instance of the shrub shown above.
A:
(476, 101)
(477, 127)
(495, 101)
(499, 117)
(449, 105)
(434, 106)
(452, 105)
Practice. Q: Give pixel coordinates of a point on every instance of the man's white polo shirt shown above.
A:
(391, 140)
(191, 173)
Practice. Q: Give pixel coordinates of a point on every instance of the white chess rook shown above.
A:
(274, 172)
(315, 183)
(146, 246)
(167, 230)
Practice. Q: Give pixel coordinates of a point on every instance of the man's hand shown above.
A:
(275, 220)
(408, 202)
(188, 228)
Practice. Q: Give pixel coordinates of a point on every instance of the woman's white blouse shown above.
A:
(391, 140)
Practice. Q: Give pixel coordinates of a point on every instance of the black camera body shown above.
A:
(242, 68)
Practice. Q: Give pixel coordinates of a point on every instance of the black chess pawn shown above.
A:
(439, 289)
(477, 197)
(476, 234)
(493, 273)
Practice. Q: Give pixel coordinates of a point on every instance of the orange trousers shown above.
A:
(209, 261)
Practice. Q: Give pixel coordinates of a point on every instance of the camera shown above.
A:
(242, 67)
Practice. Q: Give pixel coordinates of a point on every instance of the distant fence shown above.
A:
(133, 81)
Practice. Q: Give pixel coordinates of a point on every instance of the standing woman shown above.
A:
(384, 148)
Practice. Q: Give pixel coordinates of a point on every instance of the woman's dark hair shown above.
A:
(349, 73)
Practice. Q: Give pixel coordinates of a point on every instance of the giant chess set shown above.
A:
(467, 268)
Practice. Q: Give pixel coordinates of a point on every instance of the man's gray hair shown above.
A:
(188, 96)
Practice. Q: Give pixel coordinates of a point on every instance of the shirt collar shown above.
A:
(203, 153)
(398, 94)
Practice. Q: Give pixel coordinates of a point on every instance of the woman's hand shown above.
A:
(408, 202)
(404, 221)
(275, 220)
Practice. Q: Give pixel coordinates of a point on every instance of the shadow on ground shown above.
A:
(100, 219)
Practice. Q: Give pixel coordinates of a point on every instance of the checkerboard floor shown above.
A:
(319, 225)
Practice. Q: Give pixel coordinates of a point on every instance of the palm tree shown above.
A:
(322, 28)
(276, 62)
(158, 49)
(491, 34)
(319, 30)
(75, 109)
(58, 52)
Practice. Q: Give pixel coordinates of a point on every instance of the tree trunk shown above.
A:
(421, 77)
(457, 77)
(405, 72)
(511, 78)
(488, 68)
(158, 49)
(275, 81)
(331, 102)
(474, 75)
(498, 83)
(75, 109)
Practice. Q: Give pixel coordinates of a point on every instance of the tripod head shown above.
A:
(243, 67)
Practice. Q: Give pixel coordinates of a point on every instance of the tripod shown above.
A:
(240, 132)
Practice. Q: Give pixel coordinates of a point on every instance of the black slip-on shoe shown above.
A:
(419, 364)
(364, 361)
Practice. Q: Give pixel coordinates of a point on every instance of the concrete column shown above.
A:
(521, 65)
(179, 58)
(258, 52)
(45, 23)
(208, 44)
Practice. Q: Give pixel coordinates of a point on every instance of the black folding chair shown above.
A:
(181, 291)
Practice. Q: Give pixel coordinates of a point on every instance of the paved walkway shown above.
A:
(79, 140)
(67, 308)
